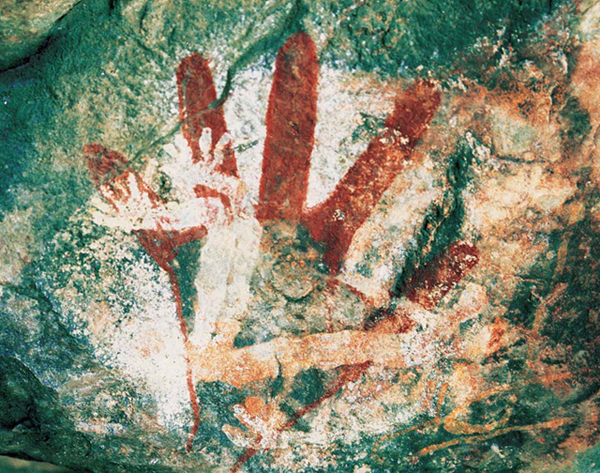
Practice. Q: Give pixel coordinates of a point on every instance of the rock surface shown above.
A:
(300, 236)
(25, 25)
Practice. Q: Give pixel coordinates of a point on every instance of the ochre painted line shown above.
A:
(335, 221)
(197, 109)
(291, 119)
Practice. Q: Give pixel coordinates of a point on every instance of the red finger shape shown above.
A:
(335, 221)
(291, 119)
(197, 95)
(432, 282)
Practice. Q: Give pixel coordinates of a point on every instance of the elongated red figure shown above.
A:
(291, 119)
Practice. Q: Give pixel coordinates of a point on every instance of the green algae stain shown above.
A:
(588, 461)
(370, 127)
(308, 386)
(26, 405)
(577, 329)
(536, 284)
(388, 37)
(186, 269)
(422, 446)
(216, 401)
(576, 124)
(443, 221)
(397, 37)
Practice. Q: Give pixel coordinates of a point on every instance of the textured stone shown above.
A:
(407, 281)
(25, 25)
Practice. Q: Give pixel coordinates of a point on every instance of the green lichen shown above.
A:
(398, 37)
(443, 221)
(187, 264)
(216, 401)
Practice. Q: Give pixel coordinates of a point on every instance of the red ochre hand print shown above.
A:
(214, 198)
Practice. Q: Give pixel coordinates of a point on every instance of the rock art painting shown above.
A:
(300, 236)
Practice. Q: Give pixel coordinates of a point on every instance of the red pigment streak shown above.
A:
(162, 248)
(347, 374)
(108, 167)
(335, 221)
(290, 120)
(190, 379)
(197, 93)
(432, 282)
(161, 245)
(247, 455)
(361, 295)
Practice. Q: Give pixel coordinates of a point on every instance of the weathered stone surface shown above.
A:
(406, 281)
(14, 465)
(25, 25)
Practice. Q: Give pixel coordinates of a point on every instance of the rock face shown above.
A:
(25, 25)
(301, 236)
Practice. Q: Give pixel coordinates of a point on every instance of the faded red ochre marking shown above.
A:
(432, 282)
(104, 164)
(355, 197)
(188, 370)
(347, 374)
(162, 248)
(454, 264)
(205, 191)
(291, 119)
(161, 245)
(108, 167)
(197, 110)
(336, 220)
(247, 455)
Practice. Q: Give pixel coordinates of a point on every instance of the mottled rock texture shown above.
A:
(26, 24)
(345, 236)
